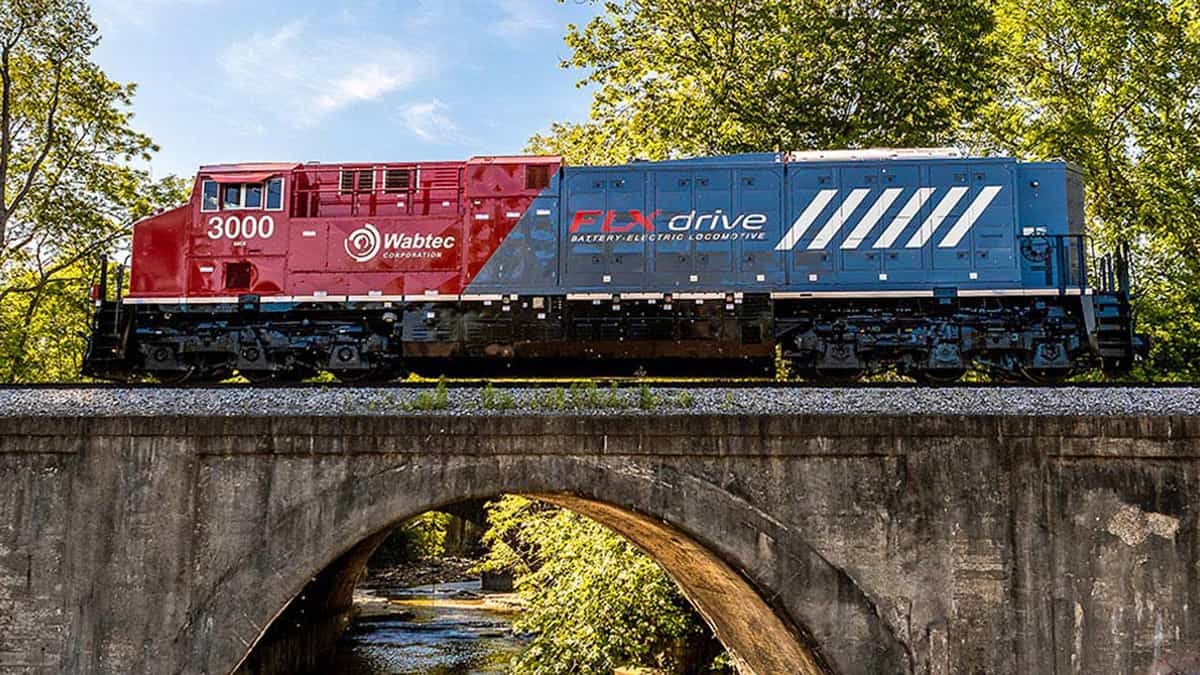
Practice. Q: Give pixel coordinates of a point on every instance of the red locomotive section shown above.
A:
(305, 232)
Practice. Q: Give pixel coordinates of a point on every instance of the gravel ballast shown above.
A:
(256, 401)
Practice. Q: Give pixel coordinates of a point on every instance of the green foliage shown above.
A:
(551, 399)
(1114, 86)
(728, 403)
(67, 187)
(438, 399)
(496, 400)
(421, 538)
(702, 76)
(646, 398)
(593, 602)
(783, 366)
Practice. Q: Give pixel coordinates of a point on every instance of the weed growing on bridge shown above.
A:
(646, 398)
(585, 395)
(728, 403)
(550, 399)
(614, 400)
(438, 400)
(496, 400)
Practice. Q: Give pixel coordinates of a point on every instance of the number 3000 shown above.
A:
(248, 227)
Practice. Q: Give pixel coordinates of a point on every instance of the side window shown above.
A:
(275, 194)
(208, 196)
(254, 194)
(231, 195)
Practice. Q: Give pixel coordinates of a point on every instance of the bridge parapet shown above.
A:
(813, 543)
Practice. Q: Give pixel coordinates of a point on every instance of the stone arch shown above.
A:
(771, 599)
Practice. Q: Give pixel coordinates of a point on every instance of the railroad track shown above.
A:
(620, 382)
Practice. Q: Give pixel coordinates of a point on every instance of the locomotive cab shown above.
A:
(236, 241)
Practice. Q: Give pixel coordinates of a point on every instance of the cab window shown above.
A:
(208, 196)
(252, 194)
(275, 194)
(231, 195)
(227, 196)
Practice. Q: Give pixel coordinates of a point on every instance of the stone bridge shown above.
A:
(933, 543)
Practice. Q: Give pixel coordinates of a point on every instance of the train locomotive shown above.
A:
(844, 264)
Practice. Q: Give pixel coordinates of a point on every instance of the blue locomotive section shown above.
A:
(753, 224)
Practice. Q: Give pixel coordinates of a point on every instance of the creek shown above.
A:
(443, 629)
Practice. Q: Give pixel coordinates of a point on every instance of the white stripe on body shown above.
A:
(843, 211)
(805, 220)
(864, 227)
(977, 207)
(902, 219)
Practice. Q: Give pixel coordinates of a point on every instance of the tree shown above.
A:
(717, 76)
(1114, 86)
(593, 602)
(68, 188)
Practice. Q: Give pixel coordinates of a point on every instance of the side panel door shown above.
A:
(951, 260)
(901, 221)
(813, 196)
(714, 243)
(759, 191)
(671, 251)
(625, 254)
(993, 235)
(308, 243)
(860, 264)
(585, 194)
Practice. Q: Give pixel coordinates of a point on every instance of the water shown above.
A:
(442, 633)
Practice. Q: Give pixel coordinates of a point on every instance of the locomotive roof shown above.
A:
(249, 166)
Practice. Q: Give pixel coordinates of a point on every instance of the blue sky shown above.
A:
(228, 80)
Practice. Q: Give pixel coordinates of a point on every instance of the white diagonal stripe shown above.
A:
(902, 219)
(838, 218)
(805, 220)
(935, 219)
(964, 224)
(864, 227)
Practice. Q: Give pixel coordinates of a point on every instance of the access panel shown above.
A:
(813, 198)
(606, 224)
(759, 202)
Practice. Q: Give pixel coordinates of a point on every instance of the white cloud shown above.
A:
(519, 18)
(428, 121)
(306, 78)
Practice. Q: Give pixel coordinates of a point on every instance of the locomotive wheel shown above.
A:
(940, 376)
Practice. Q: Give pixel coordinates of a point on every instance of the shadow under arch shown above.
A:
(727, 557)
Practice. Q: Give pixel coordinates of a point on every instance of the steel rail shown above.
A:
(621, 383)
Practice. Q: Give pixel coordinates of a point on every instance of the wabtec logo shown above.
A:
(619, 222)
(365, 243)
